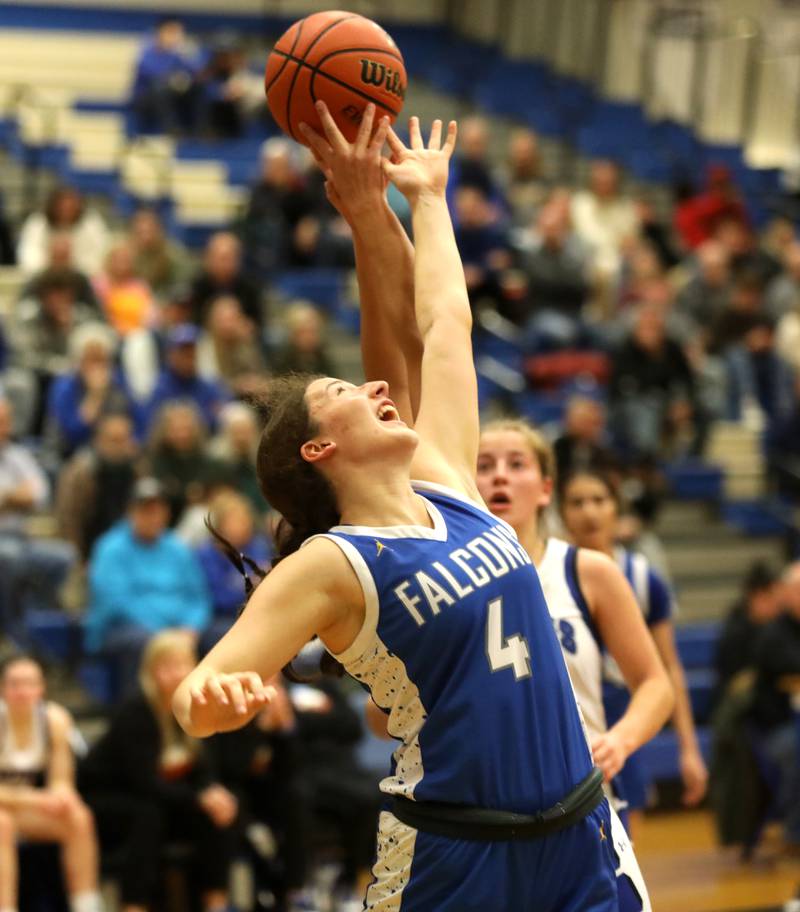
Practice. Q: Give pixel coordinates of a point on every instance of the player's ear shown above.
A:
(317, 450)
(547, 492)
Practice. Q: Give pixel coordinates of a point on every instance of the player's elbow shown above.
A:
(448, 323)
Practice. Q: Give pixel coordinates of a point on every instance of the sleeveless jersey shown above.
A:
(652, 595)
(24, 765)
(580, 641)
(458, 648)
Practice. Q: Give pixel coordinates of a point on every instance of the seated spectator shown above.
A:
(262, 764)
(783, 450)
(179, 378)
(758, 606)
(126, 300)
(229, 350)
(305, 350)
(31, 569)
(470, 166)
(698, 217)
(64, 212)
(644, 276)
(94, 487)
(222, 274)
(227, 96)
(342, 793)
(150, 785)
(745, 311)
(232, 517)
(283, 196)
(177, 457)
(783, 292)
(652, 389)
(604, 218)
(582, 445)
(76, 400)
(523, 185)
(234, 449)
(142, 579)
(164, 97)
(706, 296)
(787, 338)
(483, 245)
(556, 268)
(157, 260)
(747, 257)
(38, 798)
(777, 671)
(60, 261)
(653, 230)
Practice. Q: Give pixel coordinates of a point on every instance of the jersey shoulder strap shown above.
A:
(574, 584)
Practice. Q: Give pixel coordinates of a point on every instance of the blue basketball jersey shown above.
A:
(458, 648)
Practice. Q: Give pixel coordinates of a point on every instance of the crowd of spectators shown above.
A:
(127, 369)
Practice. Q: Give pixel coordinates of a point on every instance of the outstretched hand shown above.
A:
(354, 180)
(417, 170)
(228, 701)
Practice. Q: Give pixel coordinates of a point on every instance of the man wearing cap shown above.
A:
(142, 579)
(179, 378)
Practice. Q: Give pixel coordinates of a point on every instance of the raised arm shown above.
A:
(391, 348)
(447, 421)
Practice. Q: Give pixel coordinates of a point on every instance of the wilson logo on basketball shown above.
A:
(378, 74)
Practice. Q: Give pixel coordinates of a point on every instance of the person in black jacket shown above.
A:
(652, 388)
(776, 693)
(759, 604)
(149, 784)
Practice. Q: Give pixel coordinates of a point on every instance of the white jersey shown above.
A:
(575, 630)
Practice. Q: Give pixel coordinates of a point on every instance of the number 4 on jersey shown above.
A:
(505, 652)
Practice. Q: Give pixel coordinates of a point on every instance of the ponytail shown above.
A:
(292, 486)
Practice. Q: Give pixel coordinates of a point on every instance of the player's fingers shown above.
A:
(414, 134)
(380, 135)
(395, 143)
(332, 132)
(254, 685)
(450, 141)
(236, 694)
(216, 690)
(435, 139)
(198, 696)
(320, 149)
(365, 129)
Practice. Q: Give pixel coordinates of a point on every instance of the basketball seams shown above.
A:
(328, 28)
(287, 57)
(346, 85)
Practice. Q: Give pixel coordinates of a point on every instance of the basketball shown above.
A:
(340, 58)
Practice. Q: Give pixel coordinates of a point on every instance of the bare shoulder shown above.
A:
(322, 566)
(601, 579)
(59, 719)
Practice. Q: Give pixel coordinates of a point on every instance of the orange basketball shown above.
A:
(340, 58)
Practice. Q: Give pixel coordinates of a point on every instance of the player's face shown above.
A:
(589, 513)
(23, 685)
(362, 421)
(510, 478)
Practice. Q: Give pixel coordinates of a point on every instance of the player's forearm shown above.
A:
(440, 293)
(649, 708)
(391, 346)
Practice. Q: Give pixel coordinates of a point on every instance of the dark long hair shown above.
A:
(290, 485)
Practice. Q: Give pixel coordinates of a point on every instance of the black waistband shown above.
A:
(486, 825)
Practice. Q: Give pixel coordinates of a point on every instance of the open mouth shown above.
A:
(387, 412)
(499, 499)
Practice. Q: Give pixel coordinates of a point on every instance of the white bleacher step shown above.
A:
(705, 601)
(677, 516)
(729, 557)
(146, 165)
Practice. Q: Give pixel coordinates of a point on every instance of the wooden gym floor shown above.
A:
(686, 871)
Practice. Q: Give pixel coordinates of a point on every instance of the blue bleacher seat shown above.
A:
(697, 644)
(694, 480)
(55, 634)
(660, 755)
(701, 683)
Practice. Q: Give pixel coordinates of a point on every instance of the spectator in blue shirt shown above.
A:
(164, 96)
(75, 401)
(179, 378)
(142, 579)
(231, 516)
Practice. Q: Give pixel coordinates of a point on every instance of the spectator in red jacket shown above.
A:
(697, 218)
